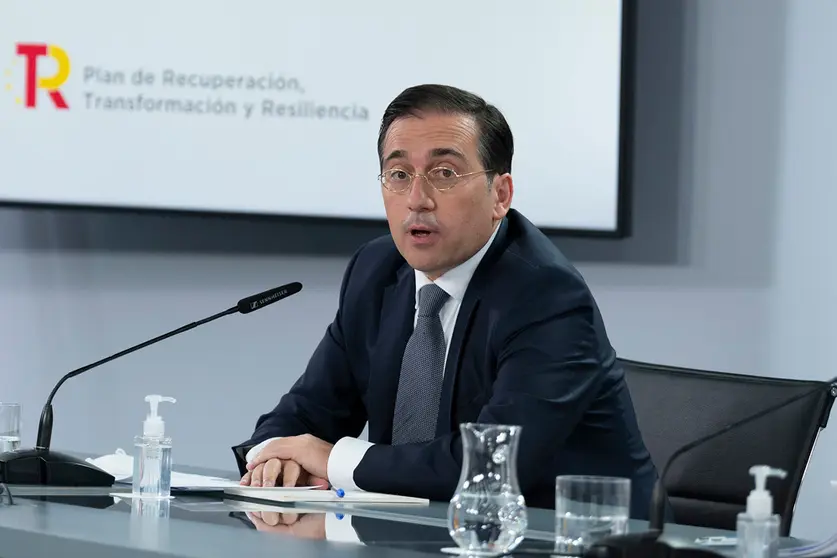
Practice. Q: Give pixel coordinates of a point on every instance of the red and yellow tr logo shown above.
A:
(51, 84)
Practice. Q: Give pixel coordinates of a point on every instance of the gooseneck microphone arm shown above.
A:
(45, 425)
(244, 306)
(658, 497)
(41, 465)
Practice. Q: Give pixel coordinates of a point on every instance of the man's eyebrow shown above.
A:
(447, 151)
(397, 154)
(437, 152)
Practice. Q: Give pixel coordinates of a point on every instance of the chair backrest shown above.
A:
(708, 486)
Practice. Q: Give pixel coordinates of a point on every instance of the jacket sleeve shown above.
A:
(324, 401)
(548, 373)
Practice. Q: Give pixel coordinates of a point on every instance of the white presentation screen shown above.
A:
(259, 106)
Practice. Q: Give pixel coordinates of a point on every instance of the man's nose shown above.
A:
(420, 196)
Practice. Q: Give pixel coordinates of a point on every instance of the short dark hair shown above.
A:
(496, 144)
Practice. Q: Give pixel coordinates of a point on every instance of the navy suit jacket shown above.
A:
(529, 348)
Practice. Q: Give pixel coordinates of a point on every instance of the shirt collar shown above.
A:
(455, 281)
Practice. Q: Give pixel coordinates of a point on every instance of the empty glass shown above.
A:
(588, 509)
(9, 427)
(487, 515)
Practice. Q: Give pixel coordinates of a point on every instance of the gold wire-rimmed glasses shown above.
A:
(441, 178)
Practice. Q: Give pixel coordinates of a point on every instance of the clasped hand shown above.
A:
(306, 526)
(292, 461)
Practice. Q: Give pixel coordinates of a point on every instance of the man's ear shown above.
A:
(503, 191)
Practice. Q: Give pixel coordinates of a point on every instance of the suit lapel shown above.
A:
(470, 302)
(460, 330)
(396, 326)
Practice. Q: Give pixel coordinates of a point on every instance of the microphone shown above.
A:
(647, 544)
(258, 301)
(43, 466)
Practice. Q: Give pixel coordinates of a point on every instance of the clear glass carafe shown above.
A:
(487, 515)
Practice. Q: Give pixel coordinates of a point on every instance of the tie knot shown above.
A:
(431, 299)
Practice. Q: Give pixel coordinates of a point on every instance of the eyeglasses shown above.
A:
(441, 178)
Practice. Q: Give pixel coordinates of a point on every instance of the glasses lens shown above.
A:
(397, 180)
(443, 178)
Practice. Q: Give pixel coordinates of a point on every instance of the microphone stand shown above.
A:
(41, 465)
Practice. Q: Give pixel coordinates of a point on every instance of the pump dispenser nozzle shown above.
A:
(760, 502)
(154, 425)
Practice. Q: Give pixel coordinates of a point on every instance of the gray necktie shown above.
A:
(420, 383)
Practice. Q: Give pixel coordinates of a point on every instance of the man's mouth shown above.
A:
(420, 233)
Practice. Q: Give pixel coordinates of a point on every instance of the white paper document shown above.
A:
(281, 494)
(188, 480)
(121, 466)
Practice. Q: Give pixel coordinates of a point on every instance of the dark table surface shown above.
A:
(95, 522)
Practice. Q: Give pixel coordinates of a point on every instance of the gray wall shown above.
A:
(727, 269)
(803, 291)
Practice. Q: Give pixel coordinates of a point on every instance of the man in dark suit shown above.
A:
(466, 312)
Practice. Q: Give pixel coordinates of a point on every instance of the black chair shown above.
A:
(708, 486)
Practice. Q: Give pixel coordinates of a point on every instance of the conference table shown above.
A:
(97, 522)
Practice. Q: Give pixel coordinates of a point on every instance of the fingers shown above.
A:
(274, 522)
(277, 449)
(256, 475)
(292, 474)
(271, 518)
(269, 521)
(289, 518)
(271, 472)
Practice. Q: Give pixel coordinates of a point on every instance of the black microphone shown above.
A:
(647, 544)
(43, 466)
(257, 301)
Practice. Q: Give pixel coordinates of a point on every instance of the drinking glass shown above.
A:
(9, 427)
(588, 509)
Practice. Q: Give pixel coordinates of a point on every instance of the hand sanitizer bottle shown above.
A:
(758, 527)
(152, 455)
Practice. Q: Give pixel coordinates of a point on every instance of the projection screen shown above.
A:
(274, 107)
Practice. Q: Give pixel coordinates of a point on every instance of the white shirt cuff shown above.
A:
(345, 457)
(338, 528)
(255, 450)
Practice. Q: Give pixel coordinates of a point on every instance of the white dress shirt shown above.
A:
(348, 452)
